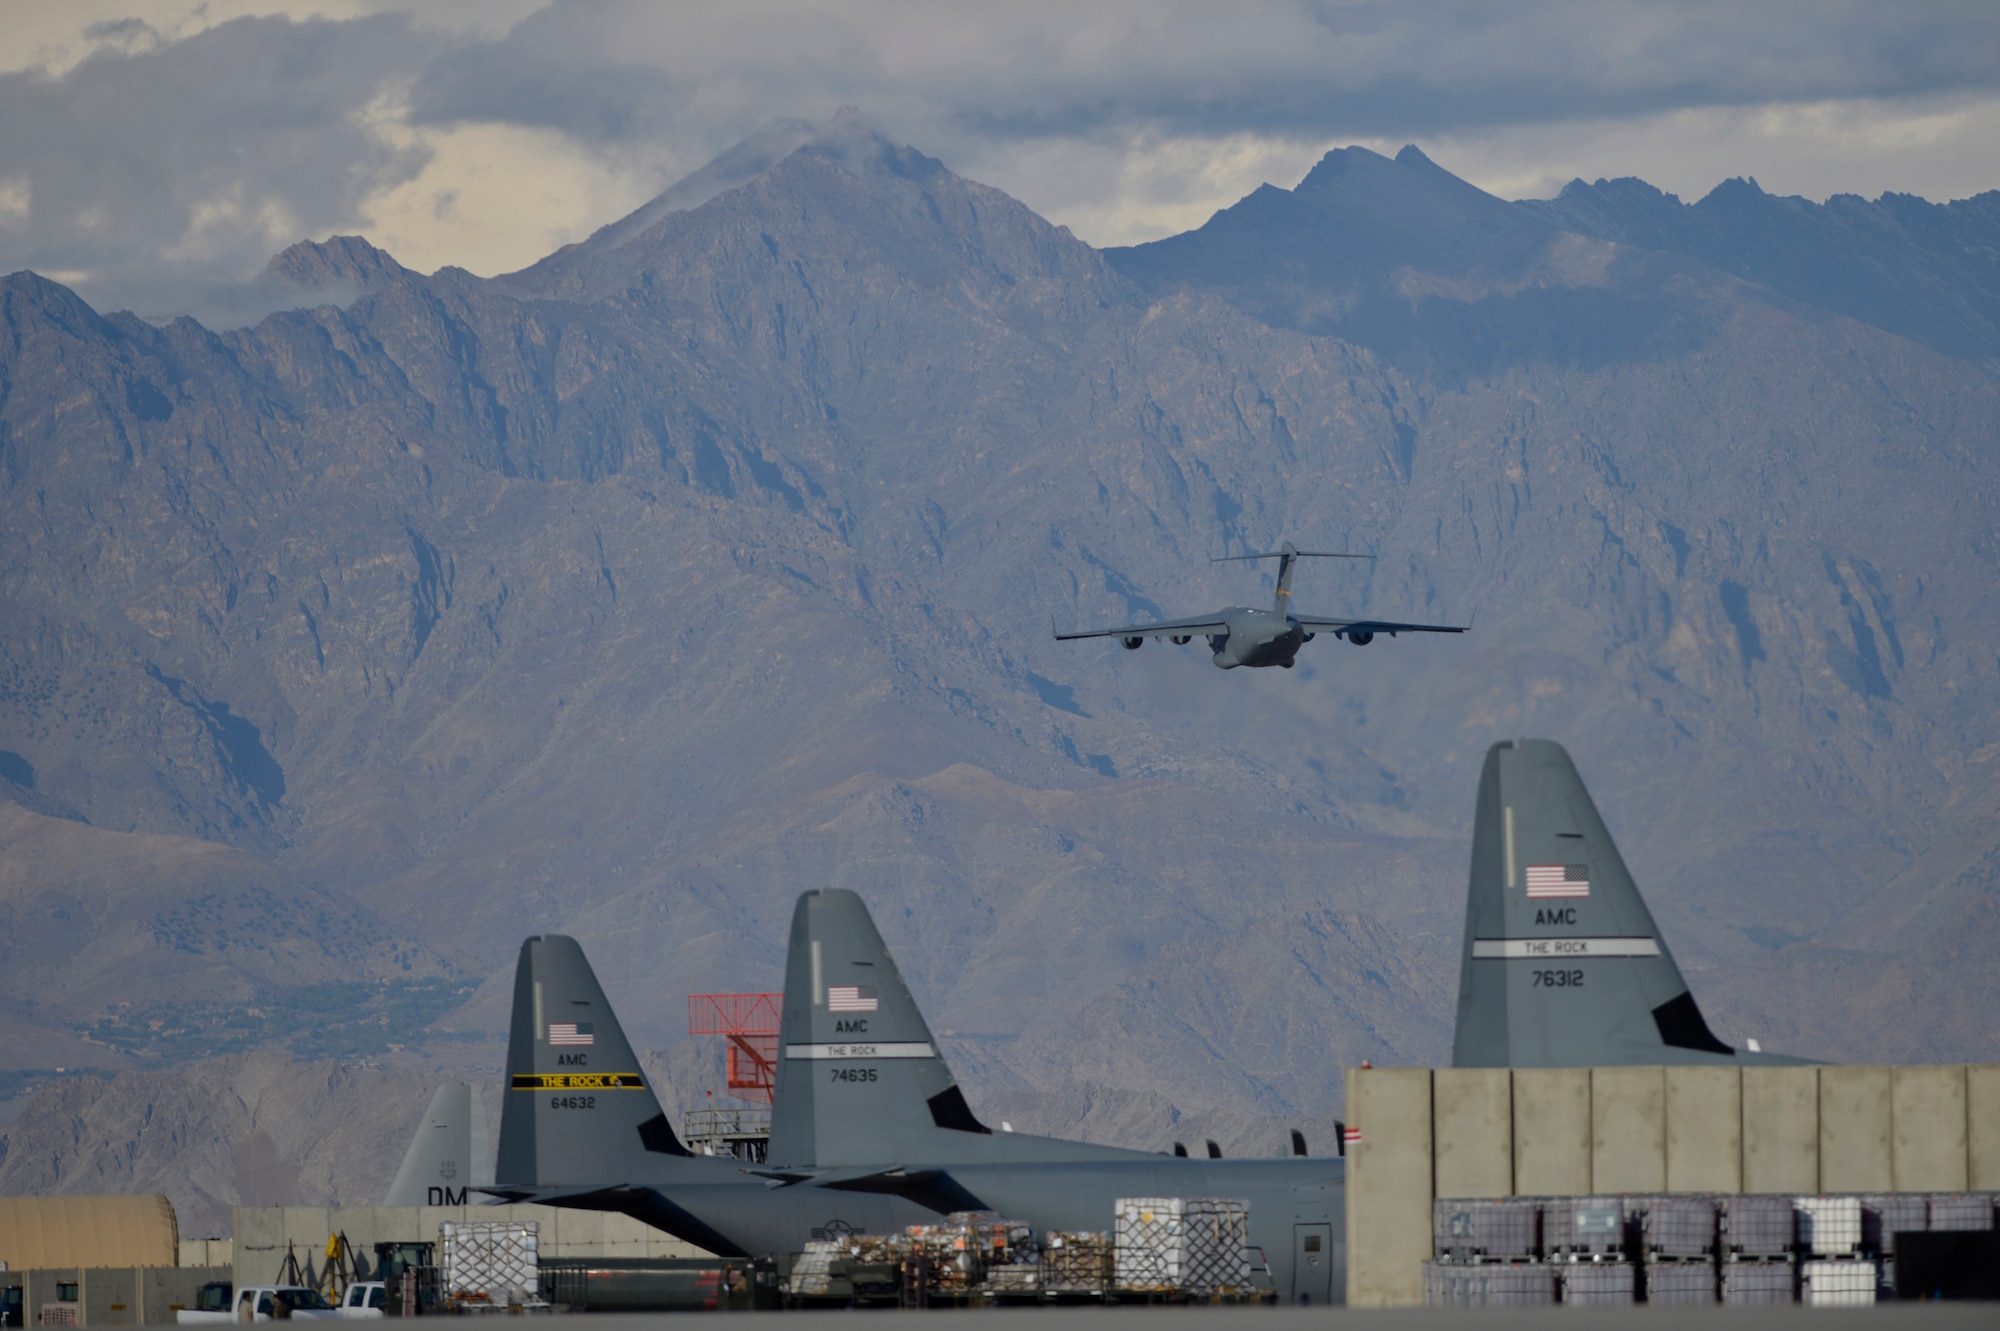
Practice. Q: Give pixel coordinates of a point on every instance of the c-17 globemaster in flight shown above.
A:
(1242, 635)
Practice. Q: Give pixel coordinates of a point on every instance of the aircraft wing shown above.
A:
(1341, 627)
(1204, 625)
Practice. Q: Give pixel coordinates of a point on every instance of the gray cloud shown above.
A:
(164, 167)
(610, 72)
(160, 167)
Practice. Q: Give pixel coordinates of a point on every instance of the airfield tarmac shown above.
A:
(1882, 1317)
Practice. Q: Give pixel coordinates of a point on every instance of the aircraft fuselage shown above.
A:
(1257, 638)
(1297, 1208)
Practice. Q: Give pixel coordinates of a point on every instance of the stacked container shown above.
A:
(490, 1262)
(1461, 1285)
(812, 1272)
(1598, 1284)
(1831, 1284)
(1479, 1231)
(1680, 1241)
(1829, 1234)
(1076, 1262)
(1883, 1216)
(1589, 1240)
(1584, 1229)
(1828, 1226)
(1756, 1237)
(1961, 1211)
(1182, 1245)
(1757, 1282)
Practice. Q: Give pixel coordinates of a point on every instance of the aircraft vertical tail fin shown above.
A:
(1288, 560)
(860, 1079)
(577, 1108)
(1563, 965)
(444, 1157)
(1288, 557)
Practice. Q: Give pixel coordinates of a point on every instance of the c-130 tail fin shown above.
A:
(853, 1035)
(577, 1108)
(1563, 965)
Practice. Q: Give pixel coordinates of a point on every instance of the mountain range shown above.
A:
(713, 558)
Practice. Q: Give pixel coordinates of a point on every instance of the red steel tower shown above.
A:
(750, 1022)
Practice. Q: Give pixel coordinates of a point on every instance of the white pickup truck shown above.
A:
(266, 1303)
(365, 1299)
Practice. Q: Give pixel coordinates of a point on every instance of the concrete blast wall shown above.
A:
(265, 1234)
(113, 1295)
(1495, 1132)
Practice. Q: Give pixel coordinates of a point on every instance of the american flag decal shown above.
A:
(850, 998)
(1350, 1136)
(1558, 880)
(571, 1032)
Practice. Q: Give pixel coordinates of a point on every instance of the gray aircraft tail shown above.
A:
(1563, 965)
(860, 1078)
(448, 1155)
(577, 1109)
(1288, 556)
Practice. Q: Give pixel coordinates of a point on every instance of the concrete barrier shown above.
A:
(113, 1295)
(1854, 1130)
(1552, 1131)
(1472, 1122)
(1982, 1127)
(1781, 1130)
(1628, 1129)
(1704, 1129)
(1389, 1186)
(1927, 1129)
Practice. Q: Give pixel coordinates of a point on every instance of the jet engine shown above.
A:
(1131, 644)
(1361, 639)
(1182, 639)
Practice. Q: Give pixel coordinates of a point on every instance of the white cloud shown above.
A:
(16, 192)
(495, 198)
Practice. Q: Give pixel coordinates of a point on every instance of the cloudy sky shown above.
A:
(147, 150)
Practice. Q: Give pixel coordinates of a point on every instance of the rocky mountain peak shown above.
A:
(338, 263)
(837, 186)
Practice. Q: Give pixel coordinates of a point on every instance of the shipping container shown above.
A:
(1961, 1211)
(1679, 1227)
(1480, 1230)
(490, 1261)
(1828, 1226)
(1182, 1245)
(1886, 1214)
(1750, 1284)
(1837, 1284)
(1681, 1283)
(1459, 1285)
(1598, 1284)
(1755, 1226)
(1585, 1228)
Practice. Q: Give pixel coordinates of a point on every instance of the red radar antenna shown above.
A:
(750, 1022)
